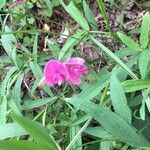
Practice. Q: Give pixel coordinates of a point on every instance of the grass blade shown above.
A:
(115, 58)
(145, 29)
(90, 16)
(78, 134)
(129, 42)
(76, 15)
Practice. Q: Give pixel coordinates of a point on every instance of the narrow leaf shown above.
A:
(70, 42)
(37, 103)
(144, 63)
(110, 121)
(114, 57)
(37, 131)
(22, 145)
(129, 42)
(16, 93)
(135, 85)
(35, 48)
(98, 132)
(145, 28)
(3, 110)
(118, 99)
(92, 91)
(90, 16)
(77, 15)
(11, 130)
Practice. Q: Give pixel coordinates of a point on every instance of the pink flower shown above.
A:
(54, 73)
(71, 70)
(75, 68)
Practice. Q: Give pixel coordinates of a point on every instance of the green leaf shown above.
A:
(98, 132)
(6, 80)
(35, 48)
(3, 110)
(22, 145)
(54, 48)
(77, 136)
(80, 119)
(147, 102)
(114, 57)
(146, 4)
(94, 89)
(145, 29)
(70, 42)
(2, 4)
(16, 93)
(135, 85)
(5, 59)
(90, 16)
(145, 94)
(8, 41)
(76, 15)
(37, 71)
(103, 11)
(37, 103)
(49, 4)
(129, 42)
(73, 131)
(110, 121)
(144, 63)
(37, 131)
(11, 130)
(118, 99)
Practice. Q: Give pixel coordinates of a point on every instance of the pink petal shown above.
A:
(75, 60)
(54, 73)
(75, 68)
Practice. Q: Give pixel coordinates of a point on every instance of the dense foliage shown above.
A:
(109, 110)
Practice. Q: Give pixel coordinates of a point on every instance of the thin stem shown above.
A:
(104, 95)
(78, 134)
(144, 128)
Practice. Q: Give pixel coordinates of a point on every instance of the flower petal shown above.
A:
(75, 68)
(75, 60)
(54, 72)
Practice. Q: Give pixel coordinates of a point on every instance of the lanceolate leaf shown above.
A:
(21, 145)
(135, 85)
(90, 16)
(114, 57)
(145, 28)
(98, 132)
(10, 130)
(144, 63)
(76, 15)
(37, 103)
(17, 91)
(129, 42)
(92, 91)
(118, 99)
(37, 131)
(110, 121)
(70, 42)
